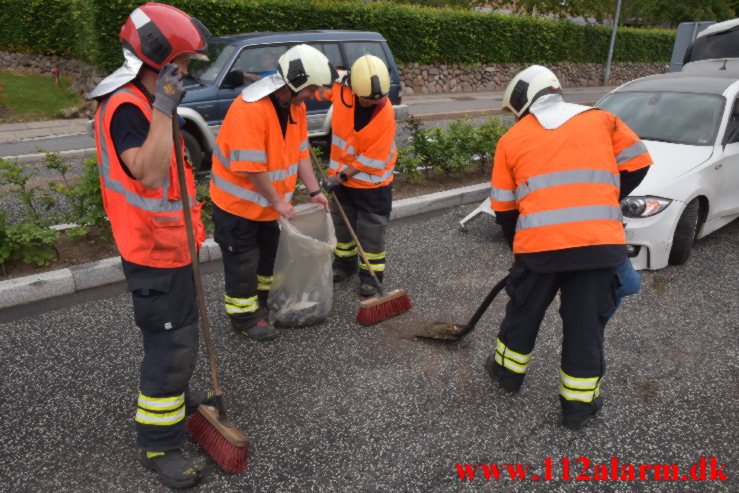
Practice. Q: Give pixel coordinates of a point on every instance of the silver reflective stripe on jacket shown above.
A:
(239, 155)
(376, 163)
(368, 178)
(634, 150)
(502, 195)
(244, 193)
(341, 143)
(569, 215)
(569, 177)
(282, 174)
(132, 198)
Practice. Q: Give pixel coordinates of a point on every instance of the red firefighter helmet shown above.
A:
(157, 33)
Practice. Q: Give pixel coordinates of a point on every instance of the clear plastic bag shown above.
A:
(302, 287)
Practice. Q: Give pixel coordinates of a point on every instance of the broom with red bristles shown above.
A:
(209, 426)
(377, 308)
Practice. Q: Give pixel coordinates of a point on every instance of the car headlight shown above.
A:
(643, 206)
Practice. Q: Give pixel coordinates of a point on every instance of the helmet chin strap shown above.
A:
(345, 82)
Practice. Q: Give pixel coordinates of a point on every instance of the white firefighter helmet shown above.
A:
(302, 66)
(527, 86)
(369, 77)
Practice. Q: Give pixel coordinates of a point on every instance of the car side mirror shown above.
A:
(233, 79)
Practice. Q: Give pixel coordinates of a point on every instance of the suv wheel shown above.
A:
(193, 150)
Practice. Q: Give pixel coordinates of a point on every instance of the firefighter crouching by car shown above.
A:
(362, 161)
(141, 194)
(558, 177)
(260, 151)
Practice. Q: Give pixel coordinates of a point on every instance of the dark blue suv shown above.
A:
(238, 60)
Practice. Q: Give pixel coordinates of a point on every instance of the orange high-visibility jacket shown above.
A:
(251, 141)
(565, 182)
(148, 225)
(371, 150)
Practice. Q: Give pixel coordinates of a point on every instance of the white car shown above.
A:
(689, 122)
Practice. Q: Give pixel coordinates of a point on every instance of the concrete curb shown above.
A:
(37, 287)
(37, 157)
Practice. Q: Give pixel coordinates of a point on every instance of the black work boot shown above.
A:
(196, 397)
(580, 420)
(344, 269)
(367, 290)
(497, 373)
(173, 468)
(341, 274)
(261, 330)
(255, 327)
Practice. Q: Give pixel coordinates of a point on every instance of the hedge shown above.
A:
(88, 30)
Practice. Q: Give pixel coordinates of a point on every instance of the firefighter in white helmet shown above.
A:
(558, 177)
(363, 156)
(261, 150)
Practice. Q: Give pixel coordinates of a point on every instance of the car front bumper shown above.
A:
(652, 236)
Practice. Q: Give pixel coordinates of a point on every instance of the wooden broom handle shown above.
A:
(194, 255)
(317, 164)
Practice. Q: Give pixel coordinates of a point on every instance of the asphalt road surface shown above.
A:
(343, 407)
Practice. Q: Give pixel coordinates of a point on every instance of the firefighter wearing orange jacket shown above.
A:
(558, 177)
(261, 150)
(363, 158)
(141, 194)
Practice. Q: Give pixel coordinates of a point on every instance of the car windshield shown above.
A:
(680, 118)
(206, 72)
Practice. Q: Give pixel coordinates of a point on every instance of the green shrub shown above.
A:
(88, 30)
(409, 166)
(451, 151)
(29, 238)
(487, 136)
(27, 242)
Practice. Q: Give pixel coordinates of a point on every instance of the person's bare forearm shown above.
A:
(305, 172)
(150, 163)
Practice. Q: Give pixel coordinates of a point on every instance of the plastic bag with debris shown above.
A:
(302, 287)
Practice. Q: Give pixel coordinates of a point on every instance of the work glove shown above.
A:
(330, 184)
(169, 90)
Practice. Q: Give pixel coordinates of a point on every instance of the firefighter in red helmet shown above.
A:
(141, 193)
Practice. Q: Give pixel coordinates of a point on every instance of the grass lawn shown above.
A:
(33, 97)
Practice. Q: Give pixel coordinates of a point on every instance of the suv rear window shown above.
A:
(355, 49)
(206, 72)
(332, 52)
(258, 62)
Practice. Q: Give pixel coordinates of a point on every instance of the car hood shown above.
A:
(670, 162)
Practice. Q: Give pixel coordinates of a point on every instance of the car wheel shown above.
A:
(193, 150)
(685, 233)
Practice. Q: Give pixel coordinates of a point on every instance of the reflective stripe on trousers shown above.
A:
(579, 389)
(160, 411)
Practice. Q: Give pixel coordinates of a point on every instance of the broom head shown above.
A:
(226, 445)
(377, 309)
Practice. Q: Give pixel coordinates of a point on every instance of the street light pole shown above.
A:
(613, 41)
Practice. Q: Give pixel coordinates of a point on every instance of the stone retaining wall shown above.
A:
(431, 79)
(84, 77)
